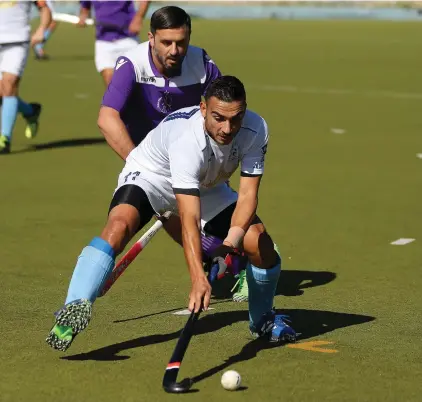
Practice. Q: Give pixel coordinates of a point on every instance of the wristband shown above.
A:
(235, 236)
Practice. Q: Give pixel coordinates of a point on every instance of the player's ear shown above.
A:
(203, 107)
(151, 38)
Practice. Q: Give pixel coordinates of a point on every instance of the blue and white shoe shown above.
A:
(273, 326)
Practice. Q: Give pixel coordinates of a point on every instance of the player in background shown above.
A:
(39, 47)
(117, 25)
(182, 166)
(15, 41)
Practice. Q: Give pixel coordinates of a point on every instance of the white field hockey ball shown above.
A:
(231, 380)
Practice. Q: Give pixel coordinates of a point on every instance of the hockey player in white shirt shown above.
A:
(15, 39)
(182, 166)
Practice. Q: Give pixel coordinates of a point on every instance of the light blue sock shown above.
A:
(47, 34)
(262, 284)
(9, 111)
(25, 108)
(38, 48)
(93, 267)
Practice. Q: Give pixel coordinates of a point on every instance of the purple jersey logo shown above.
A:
(164, 102)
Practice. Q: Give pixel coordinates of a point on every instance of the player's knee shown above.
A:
(259, 247)
(107, 75)
(9, 86)
(118, 232)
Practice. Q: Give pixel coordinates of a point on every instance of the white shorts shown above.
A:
(106, 53)
(160, 194)
(13, 58)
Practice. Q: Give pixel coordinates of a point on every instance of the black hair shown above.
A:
(169, 17)
(227, 89)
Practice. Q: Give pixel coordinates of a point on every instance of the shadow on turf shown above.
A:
(76, 142)
(291, 283)
(309, 323)
(163, 312)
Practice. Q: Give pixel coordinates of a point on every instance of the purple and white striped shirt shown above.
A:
(144, 97)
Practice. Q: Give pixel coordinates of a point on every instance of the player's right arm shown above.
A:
(84, 12)
(114, 101)
(189, 208)
(185, 162)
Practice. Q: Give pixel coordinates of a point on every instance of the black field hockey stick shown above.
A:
(170, 383)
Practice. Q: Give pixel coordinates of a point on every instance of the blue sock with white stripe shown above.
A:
(94, 265)
(262, 284)
(9, 112)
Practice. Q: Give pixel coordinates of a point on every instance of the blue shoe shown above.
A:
(273, 327)
(73, 318)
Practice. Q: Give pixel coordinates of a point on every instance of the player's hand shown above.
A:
(200, 294)
(222, 256)
(37, 37)
(135, 25)
(82, 22)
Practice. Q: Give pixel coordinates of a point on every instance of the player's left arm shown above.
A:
(245, 210)
(45, 20)
(252, 169)
(138, 19)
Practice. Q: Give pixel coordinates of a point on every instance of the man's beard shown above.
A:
(176, 69)
(171, 71)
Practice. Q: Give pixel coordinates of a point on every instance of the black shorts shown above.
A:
(135, 196)
(219, 225)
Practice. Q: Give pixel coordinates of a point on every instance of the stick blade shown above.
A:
(173, 387)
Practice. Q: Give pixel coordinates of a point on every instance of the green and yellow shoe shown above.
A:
(242, 291)
(4, 145)
(73, 318)
(32, 121)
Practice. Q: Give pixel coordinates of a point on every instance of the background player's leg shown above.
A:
(107, 75)
(4, 143)
(105, 59)
(9, 110)
(39, 47)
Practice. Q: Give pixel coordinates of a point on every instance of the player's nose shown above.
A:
(173, 50)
